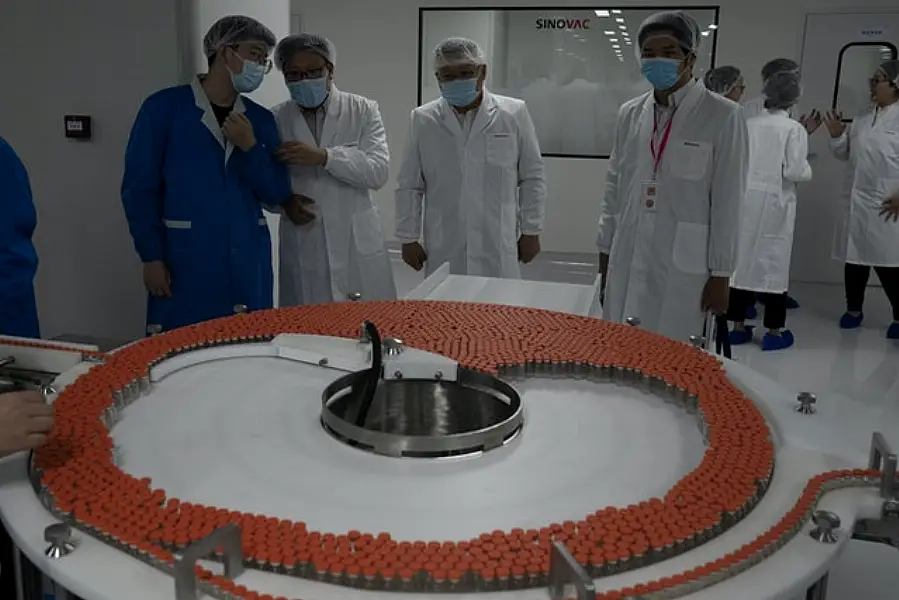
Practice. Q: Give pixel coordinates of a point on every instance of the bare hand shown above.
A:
(25, 421)
(414, 255)
(299, 153)
(298, 210)
(157, 279)
(239, 131)
(812, 121)
(834, 123)
(890, 210)
(528, 248)
(716, 295)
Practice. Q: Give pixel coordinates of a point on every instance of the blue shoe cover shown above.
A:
(848, 321)
(777, 342)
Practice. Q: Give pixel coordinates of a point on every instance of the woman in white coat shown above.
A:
(471, 183)
(677, 175)
(868, 235)
(336, 146)
(778, 160)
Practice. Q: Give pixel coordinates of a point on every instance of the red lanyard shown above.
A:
(657, 153)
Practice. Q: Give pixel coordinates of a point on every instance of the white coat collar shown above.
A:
(677, 98)
(208, 118)
(484, 118)
(300, 128)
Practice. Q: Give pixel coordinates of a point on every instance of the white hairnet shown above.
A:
(722, 79)
(890, 68)
(304, 42)
(677, 24)
(457, 51)
(235, 29)
(779, 65)
(782, 90)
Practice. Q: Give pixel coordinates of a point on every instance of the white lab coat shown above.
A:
(659, 262)
(470, 197)
(754, 107)
(342, 252)
(871, 146)
(778, 160)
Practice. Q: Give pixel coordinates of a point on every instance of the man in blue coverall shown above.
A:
(199, 168)
(18, 259)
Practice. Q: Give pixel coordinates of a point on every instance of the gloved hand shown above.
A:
(299, 153)
(157, 279)
(834, 123)
(528, 248)
(414, 255)
(890, 209)
(811, 121)
(25, 421)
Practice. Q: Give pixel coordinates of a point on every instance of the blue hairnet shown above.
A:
(677, 24)
(234, 29)
(779, 65)
(782, 90)
(890, 68)
(722, 80)
(304, 42)
(457, 51)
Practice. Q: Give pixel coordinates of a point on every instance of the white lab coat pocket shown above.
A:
(688, 160)
(691, 248)
(501, 150)
(367, 233)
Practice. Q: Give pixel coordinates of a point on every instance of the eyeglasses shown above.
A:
(461, 74)
(255, 54)
(294, 75)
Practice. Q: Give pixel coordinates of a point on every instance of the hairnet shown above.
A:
(779, 65)
(782, 90)
(890, 68)
(304, 42)
(676, 23)
(235, 29)
(457, 51)
(722, 80)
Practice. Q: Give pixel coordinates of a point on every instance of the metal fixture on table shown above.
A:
(884, 459)
(393, 346)
(633, 321)
(697, 341)
(355, 297)
(228, 538)
(240, 309)
(807, 401)
(564, 570)
(826, 525)
(884, 530)
(59, 536)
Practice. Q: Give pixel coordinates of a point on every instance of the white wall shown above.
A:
(750, 34)
(98, 58)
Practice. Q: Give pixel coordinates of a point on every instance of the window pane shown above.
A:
(858, 62)
(574, 68)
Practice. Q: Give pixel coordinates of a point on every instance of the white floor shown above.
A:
(826, 361)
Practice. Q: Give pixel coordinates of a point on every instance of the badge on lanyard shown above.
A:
(650, 190)
(650, 196)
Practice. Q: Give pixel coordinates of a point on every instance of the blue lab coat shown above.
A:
(18, 259)
(195, 201)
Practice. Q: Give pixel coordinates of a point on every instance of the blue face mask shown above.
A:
(459, 93)
(309, 93)
(249, 79)
(662, 73)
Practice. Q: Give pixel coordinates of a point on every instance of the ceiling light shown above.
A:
(616, 12)
(628, 42)
(622, 27)
(619, 20)
(617, 47)
(582, 40)
(613, 40)
(601, 13)
(713, 26)
(706, 33)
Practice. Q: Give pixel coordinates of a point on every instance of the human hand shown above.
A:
(25, 421)
(300, 153)
(239, 131)
(834, 123)
(157, 279)
(298, 210)
(890, 209)
(414, 255)
(716, 295)
(528, 248)
(812, 121)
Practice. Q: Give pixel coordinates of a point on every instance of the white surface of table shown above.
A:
(560, 297)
